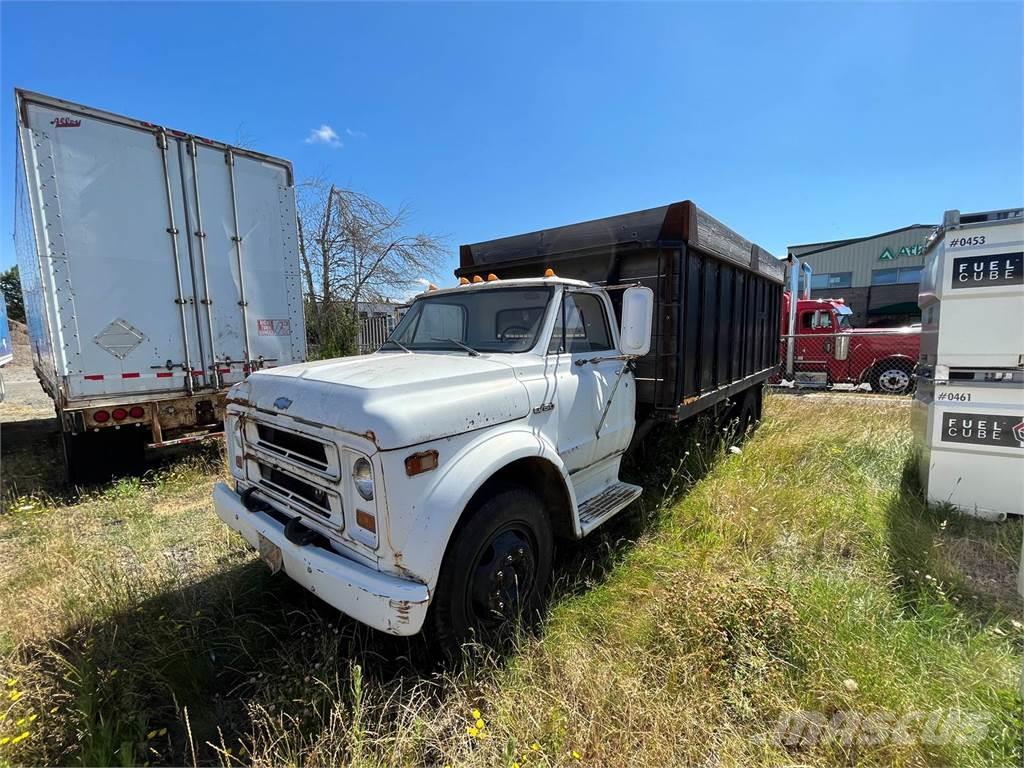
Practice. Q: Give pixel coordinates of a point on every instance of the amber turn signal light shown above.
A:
(366, 521)
(420, 462)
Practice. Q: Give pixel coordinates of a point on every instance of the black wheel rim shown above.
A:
(503, 576)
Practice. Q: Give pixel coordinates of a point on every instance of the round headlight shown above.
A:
(362, 475)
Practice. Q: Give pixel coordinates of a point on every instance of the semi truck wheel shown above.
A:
(495, 571)
(893, 377)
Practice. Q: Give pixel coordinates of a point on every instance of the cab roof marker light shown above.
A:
(431, 287)
(477, 279)
(491, 277)
(463, 281)
(549, 272)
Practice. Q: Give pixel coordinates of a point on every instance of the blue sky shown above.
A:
(790, 122)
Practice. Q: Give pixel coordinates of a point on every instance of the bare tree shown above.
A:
(354, 249)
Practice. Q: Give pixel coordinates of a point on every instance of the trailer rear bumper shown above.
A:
(388, 603)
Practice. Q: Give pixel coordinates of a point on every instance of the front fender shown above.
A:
(423, 510)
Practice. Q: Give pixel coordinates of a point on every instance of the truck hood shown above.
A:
(394, 399)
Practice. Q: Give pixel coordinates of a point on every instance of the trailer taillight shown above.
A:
(101, 416)
(119, 414)
(136, 411)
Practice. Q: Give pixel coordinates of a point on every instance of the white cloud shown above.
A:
(355, 134)
(324, 135)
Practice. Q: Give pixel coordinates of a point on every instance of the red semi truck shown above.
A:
(827, 350)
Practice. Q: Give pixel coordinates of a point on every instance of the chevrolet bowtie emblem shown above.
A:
(282, 403)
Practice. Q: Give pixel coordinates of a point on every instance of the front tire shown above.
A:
(495, 572)
(893, 377)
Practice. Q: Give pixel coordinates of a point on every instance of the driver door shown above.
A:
(582, 387)
(814, 341)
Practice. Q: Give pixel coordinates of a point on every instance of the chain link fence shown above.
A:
(881, 361)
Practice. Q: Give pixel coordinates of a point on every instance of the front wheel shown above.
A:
(893, 377)
(495, 571)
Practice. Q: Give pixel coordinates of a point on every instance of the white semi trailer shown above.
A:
(158, 267)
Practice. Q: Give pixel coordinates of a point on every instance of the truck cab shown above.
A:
(436, 472)
(828, 350)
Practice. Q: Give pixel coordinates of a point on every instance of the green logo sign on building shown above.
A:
(906, 250)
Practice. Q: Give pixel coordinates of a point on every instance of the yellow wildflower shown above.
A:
(475, 714)
(535, 747)
(150, 735)
(472, 730)
(515, 765)
(20, 737)
(4, 740)
(32, 717)
(11, 682)
(15, 695)
(576, 755)
(479, 724)
(162, 732)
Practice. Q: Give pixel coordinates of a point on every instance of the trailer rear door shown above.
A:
(242, 210)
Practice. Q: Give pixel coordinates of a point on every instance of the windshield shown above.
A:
(843, 318)
(484, 320)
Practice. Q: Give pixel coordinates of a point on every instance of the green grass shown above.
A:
(801, 575)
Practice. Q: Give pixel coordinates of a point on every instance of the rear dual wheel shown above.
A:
(495, 571)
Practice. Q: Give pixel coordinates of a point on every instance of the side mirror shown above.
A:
(637, 316)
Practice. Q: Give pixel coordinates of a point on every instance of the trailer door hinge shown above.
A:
(243, 303)
(172, 230)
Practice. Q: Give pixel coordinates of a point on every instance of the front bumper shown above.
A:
(388, 603)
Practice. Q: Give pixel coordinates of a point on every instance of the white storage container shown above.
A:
(972, 292)
(969, 434)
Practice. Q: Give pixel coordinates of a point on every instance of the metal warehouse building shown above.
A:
(877, 275)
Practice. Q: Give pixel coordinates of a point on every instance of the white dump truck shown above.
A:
(158, 268)
(426, 483)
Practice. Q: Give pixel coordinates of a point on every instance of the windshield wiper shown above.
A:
(472, 352)
(398, 344)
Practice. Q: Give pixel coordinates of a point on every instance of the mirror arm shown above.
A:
(596, 360)
(630, 363)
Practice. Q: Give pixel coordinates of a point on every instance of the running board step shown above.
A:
(612, 499)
